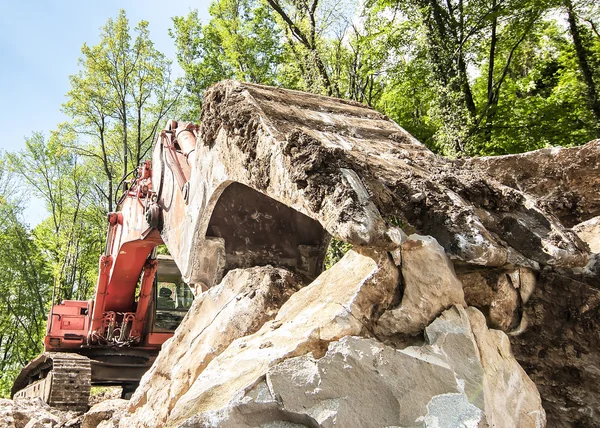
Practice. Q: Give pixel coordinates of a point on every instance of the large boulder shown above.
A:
(464, 375)
(237, 307)
(564, 181)
(316, 362)
(351, 172)
(341, 302)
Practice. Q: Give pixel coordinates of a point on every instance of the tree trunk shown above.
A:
(125, 148)
(491, 108)
(582, 57)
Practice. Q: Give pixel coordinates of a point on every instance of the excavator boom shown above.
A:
(113, 338)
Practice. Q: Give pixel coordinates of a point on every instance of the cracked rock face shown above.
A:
(559, 349)
(338, 303)
(429, 286)
(565, 181)
(464, 375)
(313, 364)
(357, 173)
(492, 252)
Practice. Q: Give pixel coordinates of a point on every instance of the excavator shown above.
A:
(139, 300)
(215, 208)
(141, 297)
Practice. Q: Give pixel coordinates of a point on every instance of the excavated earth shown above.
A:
(470, 296)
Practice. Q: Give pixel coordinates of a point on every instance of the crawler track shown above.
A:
(62, 380)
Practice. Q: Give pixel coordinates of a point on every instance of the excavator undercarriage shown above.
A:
(61, 379)
(64, 379)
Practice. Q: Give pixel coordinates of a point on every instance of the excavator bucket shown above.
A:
(273, 174)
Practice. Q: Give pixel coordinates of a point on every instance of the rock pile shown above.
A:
(323, 360)
(31, 413)
(500, 235)
(34, 413)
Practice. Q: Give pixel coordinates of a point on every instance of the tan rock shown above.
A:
(340, 302)
(430, 287)
(238, 306)
(105, 414)
(527, 282)
(511, 398)
(500, 294)
(589, 232)
(324, 166)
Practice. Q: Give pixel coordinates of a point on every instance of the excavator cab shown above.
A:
(172, 297)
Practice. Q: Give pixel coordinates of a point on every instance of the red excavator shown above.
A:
(211, 223)
(140, 299)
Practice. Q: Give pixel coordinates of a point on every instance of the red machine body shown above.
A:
(114, 317)
(113, 338)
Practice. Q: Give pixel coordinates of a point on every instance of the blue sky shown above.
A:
(40, 44)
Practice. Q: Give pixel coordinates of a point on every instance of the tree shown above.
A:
(119, 99)
(72, 236)
(461, 35)
(241, 41)
(544, 102)
(25, 286)
(583, 57)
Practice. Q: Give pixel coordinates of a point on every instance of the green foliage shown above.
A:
(162, 249)
(466, 77)
(71, 237)
(335, 251)
(118, 100)
(240, 41)
(544, 102)
(25, 287)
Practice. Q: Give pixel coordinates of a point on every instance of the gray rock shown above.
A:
(182, 390)
(31, 413)
(565, 181)
(464, 375)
